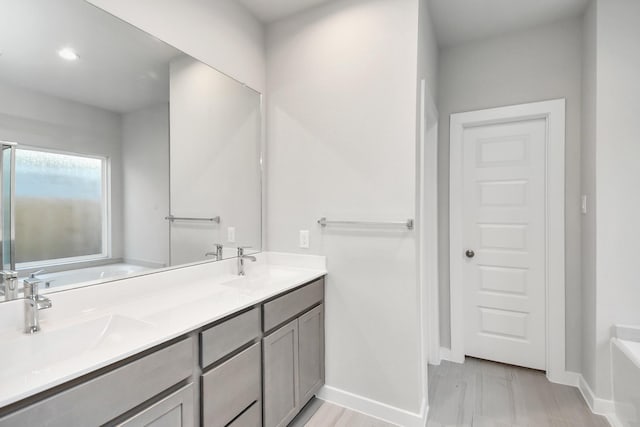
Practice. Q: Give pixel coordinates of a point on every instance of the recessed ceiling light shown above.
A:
(68, 54)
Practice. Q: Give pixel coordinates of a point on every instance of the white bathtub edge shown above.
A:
(627, 332)
(627, 350)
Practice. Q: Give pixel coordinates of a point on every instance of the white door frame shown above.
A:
(554, 113)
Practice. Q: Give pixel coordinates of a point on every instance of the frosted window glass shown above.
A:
(59, 206)
(6, 209)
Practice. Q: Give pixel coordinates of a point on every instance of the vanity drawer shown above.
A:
(228, 336)
(252, 417)
(108, 396)
(288, 306)
(232, 387)
(176, 409)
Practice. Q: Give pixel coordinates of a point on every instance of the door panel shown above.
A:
(504, 224)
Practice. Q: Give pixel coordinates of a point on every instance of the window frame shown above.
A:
(105, 253)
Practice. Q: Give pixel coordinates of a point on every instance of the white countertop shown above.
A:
(92, 327)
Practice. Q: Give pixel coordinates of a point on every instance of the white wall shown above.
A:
(145, 161)
(341, 121)
(533, 65)
(220, 33)
(38, 120)
(588, 178)
(617, 176)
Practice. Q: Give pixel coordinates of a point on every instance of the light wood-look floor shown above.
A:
(479, 393)
(324, 414)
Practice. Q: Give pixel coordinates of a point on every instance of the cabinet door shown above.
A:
(109, 396)
(175, 410)
(311, 353)
(281, 398)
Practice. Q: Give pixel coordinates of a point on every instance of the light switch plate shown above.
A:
(584, 204)
(231, 234)
(304, 239)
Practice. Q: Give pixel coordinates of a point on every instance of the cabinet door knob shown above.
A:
(469, 253)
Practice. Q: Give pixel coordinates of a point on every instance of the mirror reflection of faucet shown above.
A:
(35, 274)
(217, 254)
(9, 284)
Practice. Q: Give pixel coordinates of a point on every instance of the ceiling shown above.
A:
(271, 10)
(120, 68)
(460, 21)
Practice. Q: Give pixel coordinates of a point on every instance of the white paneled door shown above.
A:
(503, 236)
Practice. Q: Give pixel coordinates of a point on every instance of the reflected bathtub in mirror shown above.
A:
(97, 120)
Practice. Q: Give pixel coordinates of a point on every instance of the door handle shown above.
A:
(469, 253)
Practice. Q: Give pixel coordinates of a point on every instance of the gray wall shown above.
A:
(220, 33)
(588, 171)
(533, 65)
(617, 176)
(145, 166)
(341, 123)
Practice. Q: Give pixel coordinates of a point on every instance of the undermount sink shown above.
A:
(261, 278)
(34, 353)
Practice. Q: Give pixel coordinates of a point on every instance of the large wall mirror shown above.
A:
(121, 155)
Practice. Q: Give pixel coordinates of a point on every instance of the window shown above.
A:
(60, 205)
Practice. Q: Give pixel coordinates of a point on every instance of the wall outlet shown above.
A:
(231, 234)
(583, 207)
(304, 239)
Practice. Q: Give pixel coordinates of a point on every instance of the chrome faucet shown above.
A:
(242, 257)
(218, 252)
(9, 284)
(33, 303)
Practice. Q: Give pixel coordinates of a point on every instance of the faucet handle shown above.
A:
(35, 273)
(30, 286)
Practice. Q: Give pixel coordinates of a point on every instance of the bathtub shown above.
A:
(625, 360)
(90, 274)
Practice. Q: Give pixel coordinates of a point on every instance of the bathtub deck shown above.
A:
(480, 393)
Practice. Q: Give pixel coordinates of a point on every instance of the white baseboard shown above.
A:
(374, 408)
(597, 405)
(445, 354)
(566, 378)
(613, 420)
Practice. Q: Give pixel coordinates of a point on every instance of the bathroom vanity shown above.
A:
(222, 351)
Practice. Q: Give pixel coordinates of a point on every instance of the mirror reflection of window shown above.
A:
(60, 207)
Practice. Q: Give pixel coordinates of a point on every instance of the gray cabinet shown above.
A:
(175, 410)
(252, 417)
(228, 336)
(109, 396)
(242, 378)
(311, 353)
(281, 375)
(231, 388)
(290, 305)
(293, 360)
